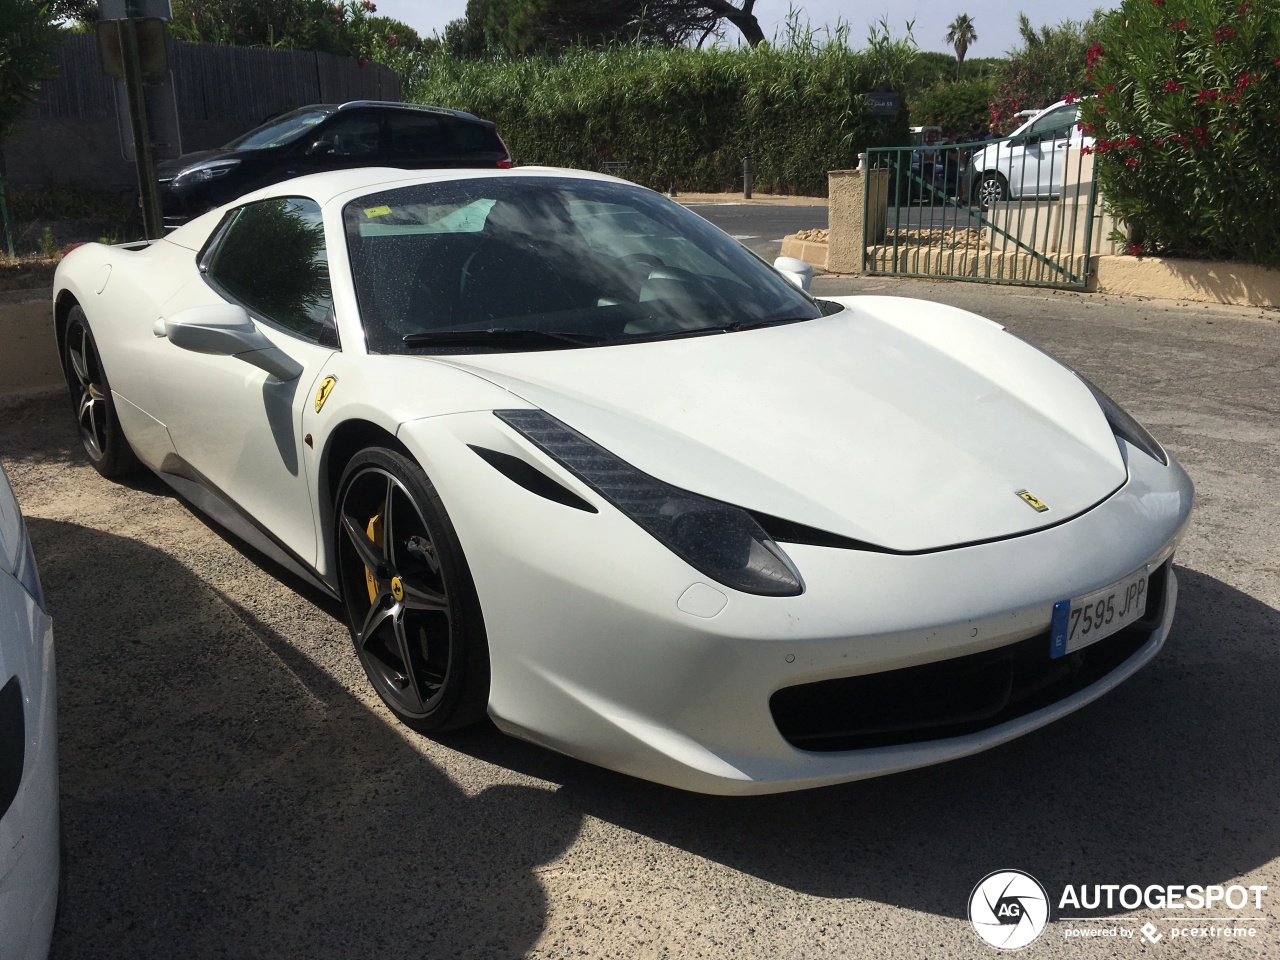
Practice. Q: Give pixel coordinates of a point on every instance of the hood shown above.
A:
(903, 423)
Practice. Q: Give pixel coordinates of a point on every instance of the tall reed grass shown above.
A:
(687, 118)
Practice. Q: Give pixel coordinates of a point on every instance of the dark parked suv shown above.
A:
(363, 133)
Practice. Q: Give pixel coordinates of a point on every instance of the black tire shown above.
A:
(407, 592)
(992, 188)
(91, 401)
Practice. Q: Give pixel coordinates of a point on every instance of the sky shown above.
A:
(995, 20)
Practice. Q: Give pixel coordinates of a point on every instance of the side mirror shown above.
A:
(321, 148)
(797, 271)
(225, 330)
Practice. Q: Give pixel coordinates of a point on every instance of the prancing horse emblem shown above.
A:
(1033, 501)
(326, 388)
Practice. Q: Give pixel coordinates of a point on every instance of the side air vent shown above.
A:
(531, 478)
(13, 743)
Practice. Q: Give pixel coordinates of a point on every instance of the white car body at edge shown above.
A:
(900, 423)
(29, 831)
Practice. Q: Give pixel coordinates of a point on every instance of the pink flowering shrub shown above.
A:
(1187, 126)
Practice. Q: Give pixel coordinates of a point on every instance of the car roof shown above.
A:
(343, 185)
(398, 105)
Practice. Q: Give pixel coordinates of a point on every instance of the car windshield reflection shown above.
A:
(532, 262)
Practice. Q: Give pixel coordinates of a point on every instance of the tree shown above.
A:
(961, 35)
(26, 57)
(1048, 65)
(519, 27)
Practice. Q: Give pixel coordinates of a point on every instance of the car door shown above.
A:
(236, 426)
(1048, 139)
(351, 138)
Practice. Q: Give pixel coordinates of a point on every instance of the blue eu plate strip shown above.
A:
(1058, 631)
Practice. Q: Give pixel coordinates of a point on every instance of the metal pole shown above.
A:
(746, 178)
(4, 216)
(148, 193)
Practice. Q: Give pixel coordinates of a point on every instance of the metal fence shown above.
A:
(1018, 210)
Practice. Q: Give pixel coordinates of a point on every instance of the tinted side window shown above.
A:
(1057, 123)
(428, 137)
(354, 135)
(272, 260)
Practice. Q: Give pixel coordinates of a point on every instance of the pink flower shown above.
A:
(1172, 86)
(1223, 34)
(1092, 54)
(1135, 249)
(1132, 163)
(1179, 25)
(1071, 97)
(391, 40)
(1206, 95)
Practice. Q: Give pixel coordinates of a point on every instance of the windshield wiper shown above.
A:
(737, 325)
(500, 336)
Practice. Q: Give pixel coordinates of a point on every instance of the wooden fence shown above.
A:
(71, 134)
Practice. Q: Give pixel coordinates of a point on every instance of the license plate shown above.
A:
(1088, 619)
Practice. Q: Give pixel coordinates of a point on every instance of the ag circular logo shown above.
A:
(1008, 909)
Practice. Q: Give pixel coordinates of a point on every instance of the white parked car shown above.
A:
(29, 836)
(1031, 162)
(572, 457)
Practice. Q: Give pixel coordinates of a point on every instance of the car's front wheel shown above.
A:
(407, 591)
(100, 432)
(992, 188)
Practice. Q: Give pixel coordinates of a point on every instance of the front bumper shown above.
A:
(607, 647)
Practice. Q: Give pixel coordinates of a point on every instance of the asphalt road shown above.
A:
(231, 787)
(761, 226)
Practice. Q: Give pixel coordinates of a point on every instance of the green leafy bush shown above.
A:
(686, 117)
(1187, 121)
(953, 106)
(1049, 64)
(26, 58)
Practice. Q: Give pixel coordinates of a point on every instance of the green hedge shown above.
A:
(680, 117)
(1187, 121)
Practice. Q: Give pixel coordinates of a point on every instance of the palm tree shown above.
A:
(961, 35)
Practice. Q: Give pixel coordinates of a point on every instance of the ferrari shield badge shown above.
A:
(1032, 500)
(326, 388)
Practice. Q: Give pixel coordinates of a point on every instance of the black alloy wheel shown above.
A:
(100, 432)
(409, 600)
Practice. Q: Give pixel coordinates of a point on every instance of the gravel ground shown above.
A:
(232, 788)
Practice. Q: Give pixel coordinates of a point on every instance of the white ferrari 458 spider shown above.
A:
(572, 457)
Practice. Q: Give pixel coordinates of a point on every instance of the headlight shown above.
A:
(721, 540)
(1124, 426)
(203, 172)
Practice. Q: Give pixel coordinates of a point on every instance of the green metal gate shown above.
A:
(1018, 210)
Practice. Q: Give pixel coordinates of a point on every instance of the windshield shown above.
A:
(512, 263)
(281, 130)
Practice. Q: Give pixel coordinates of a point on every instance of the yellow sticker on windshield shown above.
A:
(372, 212)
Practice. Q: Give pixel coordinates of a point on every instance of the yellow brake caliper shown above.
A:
(375, 534)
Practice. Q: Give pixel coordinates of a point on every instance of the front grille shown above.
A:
(953, 697)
